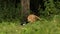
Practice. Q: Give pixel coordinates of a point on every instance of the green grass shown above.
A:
(39, 27)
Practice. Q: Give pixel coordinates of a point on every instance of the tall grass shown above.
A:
(39, 27)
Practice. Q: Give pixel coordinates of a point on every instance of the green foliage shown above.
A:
(8, 11)
(52, 7)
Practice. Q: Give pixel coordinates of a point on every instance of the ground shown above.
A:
(39, 27)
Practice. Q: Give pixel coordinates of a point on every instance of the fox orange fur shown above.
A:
(32, 18)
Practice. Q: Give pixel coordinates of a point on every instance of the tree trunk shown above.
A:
(25, 4)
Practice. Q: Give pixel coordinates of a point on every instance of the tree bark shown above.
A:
(25, 7)
(25, 4)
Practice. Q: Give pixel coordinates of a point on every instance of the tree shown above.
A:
(25, 7)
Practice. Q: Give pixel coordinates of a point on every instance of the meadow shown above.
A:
(39, 27)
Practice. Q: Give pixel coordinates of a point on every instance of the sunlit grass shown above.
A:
(39, 27)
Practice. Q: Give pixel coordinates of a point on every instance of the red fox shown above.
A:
(32, 18)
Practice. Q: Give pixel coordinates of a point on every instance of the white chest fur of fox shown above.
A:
(32, 18)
